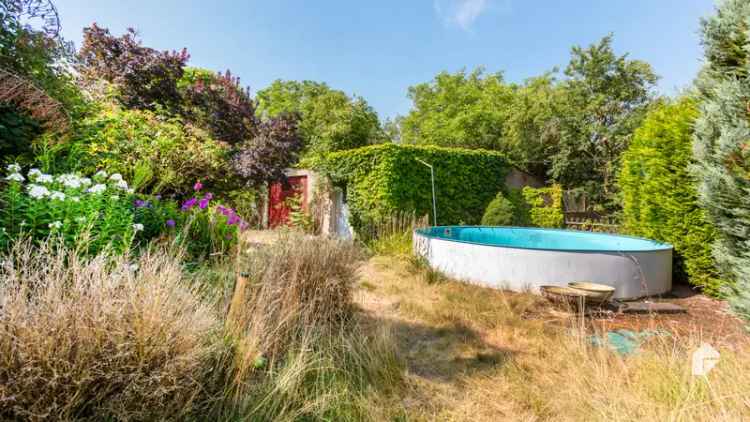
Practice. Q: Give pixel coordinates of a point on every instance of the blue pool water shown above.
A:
(547, 239)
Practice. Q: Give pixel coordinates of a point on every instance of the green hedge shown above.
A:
(387, 178)
(544, 205)
(660, 199)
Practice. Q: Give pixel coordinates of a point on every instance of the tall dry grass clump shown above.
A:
(104, 338)
(297, 285)
(300, 352)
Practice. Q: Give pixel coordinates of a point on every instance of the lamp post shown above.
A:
(432, 179)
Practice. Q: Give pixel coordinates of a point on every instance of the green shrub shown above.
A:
(544, 206)
(93, 213)
(660, 197)
(384, 179)
(500, 212)
(158, 154)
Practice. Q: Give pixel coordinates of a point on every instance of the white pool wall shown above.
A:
(632, 274)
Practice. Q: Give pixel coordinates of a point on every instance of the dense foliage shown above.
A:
(544, 206)
(275, 148)
(218, 103)
(159, 154)
(722, 132)
(459, 110)
(570, 131)
(144, 77)
(384, 179)
(330, 120)
(660, 197)
(500, 212)
(605, 99)
(30, 47)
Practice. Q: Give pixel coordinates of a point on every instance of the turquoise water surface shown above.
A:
(548, 239)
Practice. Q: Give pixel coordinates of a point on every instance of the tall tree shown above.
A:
(459, 109)
(605, 99)
(531, 133)
(722, 142)
(330, 120)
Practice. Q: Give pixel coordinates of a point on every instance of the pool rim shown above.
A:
(664, 247)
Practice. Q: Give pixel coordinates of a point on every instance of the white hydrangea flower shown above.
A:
(34, 173)
(85, 181)
(56, 224)
(116, 177)
(16, 177)
(137, 227)
(45, 178)
(70, 181)
(38, 191)
(101, 174)
(97, 188)
(122, 185)
(57, 195)
(13, 168)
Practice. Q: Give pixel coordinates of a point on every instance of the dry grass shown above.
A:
(301, 352)
(100, 338)
(103, 339)
(297, 284)
(482, 354)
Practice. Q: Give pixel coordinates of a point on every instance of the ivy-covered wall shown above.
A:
(383, 179)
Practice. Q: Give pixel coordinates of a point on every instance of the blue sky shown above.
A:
(377, 49)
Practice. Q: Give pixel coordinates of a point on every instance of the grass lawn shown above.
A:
(473, 353)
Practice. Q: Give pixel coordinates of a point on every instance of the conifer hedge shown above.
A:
(384, 179)
(722, 140)
(660, 196)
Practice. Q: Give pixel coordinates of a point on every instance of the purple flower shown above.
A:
(234, 219)
(140, 203)
(158, 197)
(243, 225)
(203, 203)
(171, 223)
(190, 203)
(208, 196)
(198, 186)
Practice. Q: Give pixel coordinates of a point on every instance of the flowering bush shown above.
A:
(92, 213)
(206, 228)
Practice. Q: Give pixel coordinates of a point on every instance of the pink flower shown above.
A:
(198, 186)
(203, 203)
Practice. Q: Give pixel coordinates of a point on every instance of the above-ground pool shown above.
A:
(521, 259)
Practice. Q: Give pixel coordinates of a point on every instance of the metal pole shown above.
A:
(432, 180)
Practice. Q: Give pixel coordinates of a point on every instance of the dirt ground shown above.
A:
(707, 318)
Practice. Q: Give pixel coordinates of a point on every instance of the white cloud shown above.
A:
(462, 13)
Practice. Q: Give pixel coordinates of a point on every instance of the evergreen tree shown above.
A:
(722, 143)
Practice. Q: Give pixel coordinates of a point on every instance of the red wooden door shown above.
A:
(278, 208)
